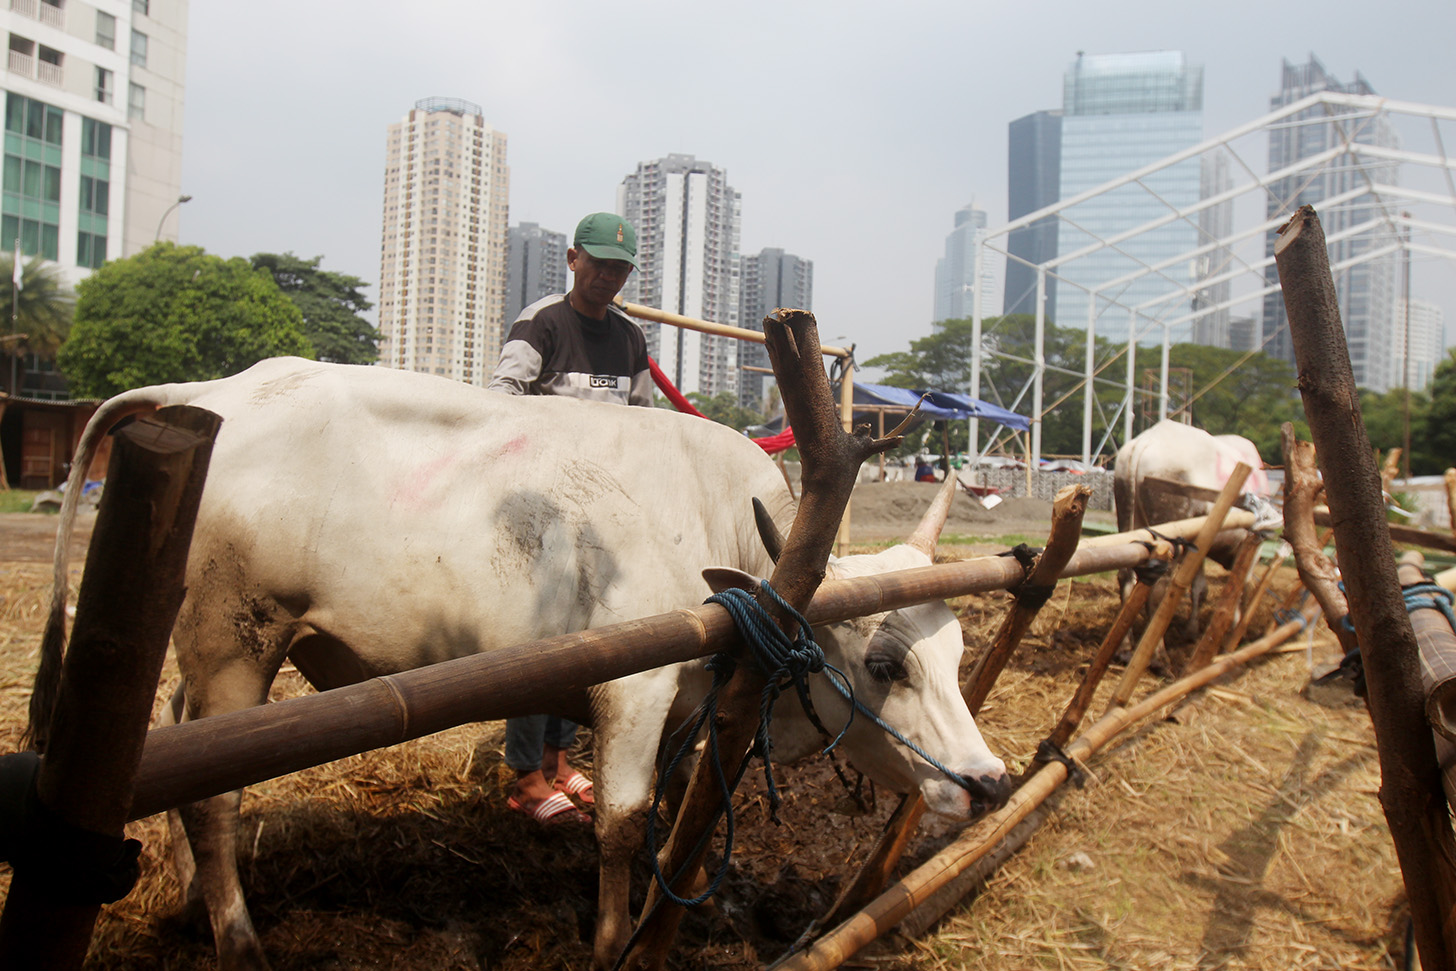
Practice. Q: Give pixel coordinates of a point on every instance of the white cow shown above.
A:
(362, 521)
(1181, 453)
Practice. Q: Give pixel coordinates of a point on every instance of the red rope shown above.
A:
(772, 444)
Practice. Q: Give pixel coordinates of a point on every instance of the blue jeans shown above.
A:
(528, 736)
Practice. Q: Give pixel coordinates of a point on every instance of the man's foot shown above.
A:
(554, 810)
(576, 785)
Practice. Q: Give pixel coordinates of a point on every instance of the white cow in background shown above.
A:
(362, 521)
(1174, 451)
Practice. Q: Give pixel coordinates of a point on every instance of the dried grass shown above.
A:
(1244, 832)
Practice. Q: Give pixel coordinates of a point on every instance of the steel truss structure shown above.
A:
(1233, 265)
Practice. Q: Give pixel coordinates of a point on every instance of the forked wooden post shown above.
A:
(1228, 603)
(1182, 579)
(127, 603)
(1255, 598)
(1410, 788)
(831, 460)
(1302, 484)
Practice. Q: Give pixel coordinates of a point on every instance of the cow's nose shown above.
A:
(988, 792)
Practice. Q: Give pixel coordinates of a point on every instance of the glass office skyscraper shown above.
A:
(1120, 113)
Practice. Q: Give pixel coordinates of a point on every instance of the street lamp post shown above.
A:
(180, 200)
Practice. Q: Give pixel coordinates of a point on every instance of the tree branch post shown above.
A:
(127, 604)
(1410, 789)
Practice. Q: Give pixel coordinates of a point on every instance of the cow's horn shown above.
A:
(928, 532)
(768, 530)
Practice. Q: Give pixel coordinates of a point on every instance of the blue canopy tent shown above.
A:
(877, 399)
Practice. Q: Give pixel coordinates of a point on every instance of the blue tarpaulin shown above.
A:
(939, 405)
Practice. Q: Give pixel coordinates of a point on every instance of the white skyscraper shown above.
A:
(687, 220)
(1427, 344)
(93, 128)
(956, 281)
(442, 273)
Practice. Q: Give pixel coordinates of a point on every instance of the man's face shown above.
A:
(599, 281)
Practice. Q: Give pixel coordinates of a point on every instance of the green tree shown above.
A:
(1440, 424)
(176, 313)
(1384, 417)
(723, 408)
(43, 309)
(332, 305)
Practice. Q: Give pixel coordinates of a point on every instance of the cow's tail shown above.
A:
(53, 643)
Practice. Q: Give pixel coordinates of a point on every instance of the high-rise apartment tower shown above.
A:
(770, 280)
(1366, 288)
(536, 267)
(442, 273)
(687, 219)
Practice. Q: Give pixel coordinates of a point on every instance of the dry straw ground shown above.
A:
(1242, 832)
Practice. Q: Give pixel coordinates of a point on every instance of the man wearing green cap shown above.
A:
(580, 345)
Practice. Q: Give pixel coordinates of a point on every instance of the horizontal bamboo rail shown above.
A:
(979, 839)
(187, 762)
(708, 326)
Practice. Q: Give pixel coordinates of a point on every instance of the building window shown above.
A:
(139, 6)
(90, 249)
(136, 102)
(95, 139)
(103, 85)
(105, 30)
(31, 206)
(95, 195)
(139, 48)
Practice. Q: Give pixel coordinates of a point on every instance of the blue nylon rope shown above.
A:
(1431, 596)
(784, 661)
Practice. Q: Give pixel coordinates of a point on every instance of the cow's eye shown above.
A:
(884, 669)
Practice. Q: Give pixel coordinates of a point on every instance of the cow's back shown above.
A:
(416, 518)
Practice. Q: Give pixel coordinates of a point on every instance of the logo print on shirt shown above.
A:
(602, 381)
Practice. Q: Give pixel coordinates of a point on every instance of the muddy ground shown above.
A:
(1242, 832)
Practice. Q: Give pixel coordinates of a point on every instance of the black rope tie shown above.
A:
(1049, 751)
(67, 864)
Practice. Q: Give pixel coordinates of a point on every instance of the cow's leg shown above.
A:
(224, 675)
(194, 908)
(628, 718)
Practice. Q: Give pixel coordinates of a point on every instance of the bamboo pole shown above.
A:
(979, 839)
(1178, 529)
(1247, 615)
(1414, 535)
(1182, 579)
(1410, 790)
(1030, 595)
(1437, 644)
(191, 761)
(1228, 603)
(124, 615)
(708, 327)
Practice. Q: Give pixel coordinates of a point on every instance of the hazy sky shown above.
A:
(852, 130)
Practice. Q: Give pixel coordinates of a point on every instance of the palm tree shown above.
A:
(38, 315)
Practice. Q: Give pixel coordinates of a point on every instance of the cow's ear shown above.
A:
(722, 578)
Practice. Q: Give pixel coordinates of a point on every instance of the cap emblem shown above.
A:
(619, 232)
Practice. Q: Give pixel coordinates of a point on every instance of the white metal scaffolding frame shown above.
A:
(1236, 258)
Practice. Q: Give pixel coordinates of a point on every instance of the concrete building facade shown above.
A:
(769, 280)
(1367, 290)
(442, 274)
(1033, 182)
(1416, 361)
(687, 219)
(1120, 113)
(956, 280)
(93, 128)
(535, 268)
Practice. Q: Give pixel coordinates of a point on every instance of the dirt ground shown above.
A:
(1243, 831)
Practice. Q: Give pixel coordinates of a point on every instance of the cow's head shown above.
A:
(903, 666)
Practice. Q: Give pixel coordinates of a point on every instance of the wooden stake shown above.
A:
(1302, 484)
(1246, 616)
(124, 615)
(1410, 790)
(1228, 603)
(1178, 586)
(1450, 479)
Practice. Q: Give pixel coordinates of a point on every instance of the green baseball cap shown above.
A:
(607, 236)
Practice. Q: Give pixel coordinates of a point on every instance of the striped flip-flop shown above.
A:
(576, 785)
(554, 809)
